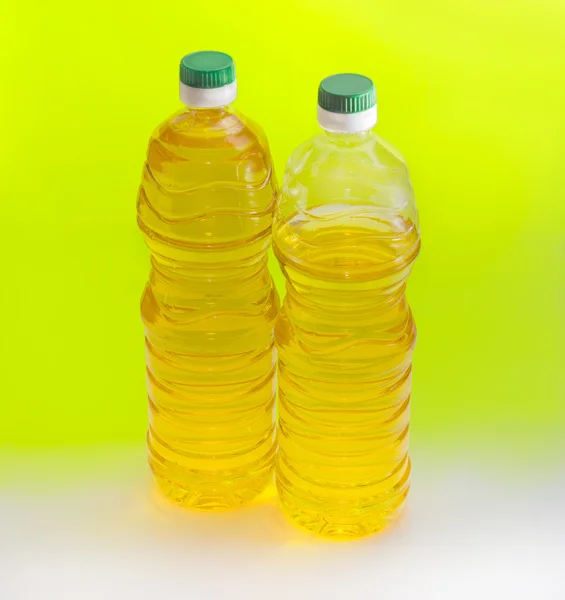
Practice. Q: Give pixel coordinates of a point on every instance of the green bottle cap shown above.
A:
(207, 70)
(347, 93)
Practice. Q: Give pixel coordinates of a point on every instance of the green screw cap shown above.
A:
(206, 70)
(347, 93)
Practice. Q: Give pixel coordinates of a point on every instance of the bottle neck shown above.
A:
(347, 139)
(218, 111)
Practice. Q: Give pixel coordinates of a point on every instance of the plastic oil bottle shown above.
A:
(346, 235)
(205, 207)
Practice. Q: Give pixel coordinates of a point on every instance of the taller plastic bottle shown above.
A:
(205, 208)
(346, 235)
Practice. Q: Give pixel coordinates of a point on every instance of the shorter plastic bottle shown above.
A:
(346, 235)
(205, 207)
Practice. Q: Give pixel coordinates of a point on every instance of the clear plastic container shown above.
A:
(205, 208)
(346, 235)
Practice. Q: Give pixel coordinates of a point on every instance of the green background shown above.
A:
(471, 91)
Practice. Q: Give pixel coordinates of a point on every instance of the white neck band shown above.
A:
(347, 123)
(208, 98)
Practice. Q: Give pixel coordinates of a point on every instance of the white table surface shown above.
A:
(87, 524)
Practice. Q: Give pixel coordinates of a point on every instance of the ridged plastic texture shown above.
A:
(346, 235)
(347, 93)
(207, 70)
(205, 208)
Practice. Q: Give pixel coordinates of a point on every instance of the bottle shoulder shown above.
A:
(332, 169)
(369, 151)
(225, 129)
(217, 149)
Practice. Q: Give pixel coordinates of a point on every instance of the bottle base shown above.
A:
(341, 521)
(341, 527)
(213, 494)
